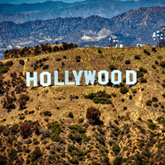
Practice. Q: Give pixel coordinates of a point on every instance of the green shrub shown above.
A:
(152, 126)
(162, 64)
(2, 127)
(3, 160)
(113, 94)
(134, 91)
(148, 103)
(9, 63)
(163, 130)
(22, 117)
(116, 149)
(36, 154)
(77, 128)
(47, 113)
(71, 115)
(15, 129)
(143, 80)
(146, 52)
(124, 90)
(117, 161)
(86, 138)
(74, 161)
(12, 154)
(100, 51)
(124, 108)
(154, 99)
(100, 97)
(141, 69)
(56, 129)
(46, 119)
(81, 120)
(35, 141)
(153, 66)
(163, 85)
(21, 62)
(46, 91)
(31, 112)
(137, 57)
(112, 67)
(139, 74)
(130, 97)
(71, 136)
(127, 62)
(45, 66)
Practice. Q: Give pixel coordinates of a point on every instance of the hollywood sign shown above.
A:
(89, 78)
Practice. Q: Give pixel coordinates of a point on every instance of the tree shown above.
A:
(93, 113)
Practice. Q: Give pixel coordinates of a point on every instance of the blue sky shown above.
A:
(34, 1)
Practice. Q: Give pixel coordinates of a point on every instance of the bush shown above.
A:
(112, 67)
(123, 89)
(148, 103)
(22, 101)
(9, 63)
(143, 80)
(81, 120)
(2, 127)
(45, 66)
(55, 127)
(15, 129)
(134, 91)
(141, 69)
(152, 126)
(116, 149)
(36, 154)
(137, 57)
(130, 97)
(153, 66)
(26, 129)
(47, 113)
(139, 74)
(127, 62)
(162, 64)
(154, 99)
(78, 58)
(163, 85)
(22, 117)
(71, 136)
(12, 154)
(117, 161)
(46, 119)
(154, 49)
(21, 62)
(35, 141)
(71, 115)
(146, 52)
(156, 62)
(93, 113)
(100, 51)
(100, 97)
(3, 160)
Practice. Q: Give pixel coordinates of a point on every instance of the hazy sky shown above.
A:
(33, 1)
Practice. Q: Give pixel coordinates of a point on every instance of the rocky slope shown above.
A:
(48, 125)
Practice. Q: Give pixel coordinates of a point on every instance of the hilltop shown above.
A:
(50, 125)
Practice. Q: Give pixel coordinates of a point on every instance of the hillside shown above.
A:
(49, 125)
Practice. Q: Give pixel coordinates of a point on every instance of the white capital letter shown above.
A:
(128, 82)
(28, 79)
(42, 79)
